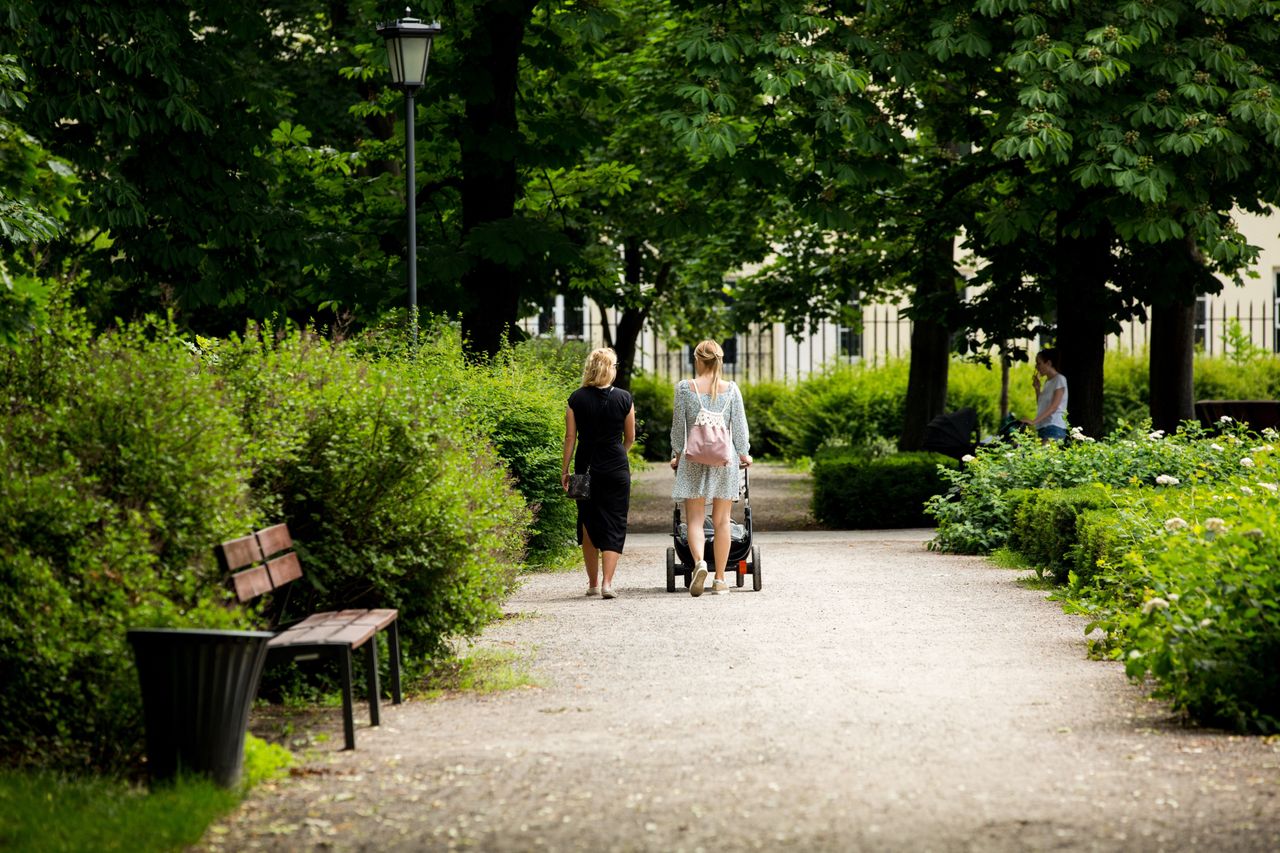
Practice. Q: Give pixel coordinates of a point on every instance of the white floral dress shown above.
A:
(693, 479)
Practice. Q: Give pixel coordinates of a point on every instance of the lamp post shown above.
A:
(408, 49)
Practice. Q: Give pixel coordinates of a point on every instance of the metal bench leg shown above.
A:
(394, 648)
(348, 717)
(371, 664)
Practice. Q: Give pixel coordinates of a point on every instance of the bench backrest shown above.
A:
(259, 563)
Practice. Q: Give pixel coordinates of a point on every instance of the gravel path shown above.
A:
(874, 696)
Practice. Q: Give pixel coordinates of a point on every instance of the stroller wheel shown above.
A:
(755, 568)
(671, 570)
(741, 572)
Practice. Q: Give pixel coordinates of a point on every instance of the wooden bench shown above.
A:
(264, 562)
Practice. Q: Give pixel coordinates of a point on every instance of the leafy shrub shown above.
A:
(973, 515)
(852, 490)
(1043, 528)
(654, 399)
(1192, 595)
(760, 399)
(121, 465)
(386, 479)
(846, 406)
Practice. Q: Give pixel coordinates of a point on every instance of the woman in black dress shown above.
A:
(601, 421)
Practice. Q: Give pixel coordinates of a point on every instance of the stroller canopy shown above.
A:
(952, 433)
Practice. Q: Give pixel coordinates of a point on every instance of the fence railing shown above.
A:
(765, 353)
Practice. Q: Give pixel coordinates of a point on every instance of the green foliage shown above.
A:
(855, 491)
(844, 406)
(122, 464)
(1185, 590)
(48, 812)
(1043, 525)
(973, 517)
(385, 477)
(1177, 570)
(263, 761)
(760, 399)
(127, 457)
(654, 399)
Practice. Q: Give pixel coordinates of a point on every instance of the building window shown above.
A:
(850, 338)
(575, 321)
(1275, 315)
(1202, 323)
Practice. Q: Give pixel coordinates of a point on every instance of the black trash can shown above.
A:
(197, 689)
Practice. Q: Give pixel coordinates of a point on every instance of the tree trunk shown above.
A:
(1084, 267)
(930, 345)
(488, 144)
(1171, 367)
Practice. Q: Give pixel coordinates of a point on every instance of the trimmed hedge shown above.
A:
(852, 491)
(1044, 525)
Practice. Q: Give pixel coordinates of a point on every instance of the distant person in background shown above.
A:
(601, 422)
(1051, 398)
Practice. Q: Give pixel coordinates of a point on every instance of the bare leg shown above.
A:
(695, 508)
(720, 510)
(590, 556)
(610, 566)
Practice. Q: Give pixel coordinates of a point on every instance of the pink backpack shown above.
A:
(709, 441)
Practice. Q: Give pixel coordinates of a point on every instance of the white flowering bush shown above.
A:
(973, 515)
(1189, 595)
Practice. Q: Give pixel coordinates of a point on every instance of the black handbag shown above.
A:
(580, 486)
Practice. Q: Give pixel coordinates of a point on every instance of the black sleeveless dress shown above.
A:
(600, 414)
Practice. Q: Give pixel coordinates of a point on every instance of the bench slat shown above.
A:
(274, 539)
(284, 569)
(352, 635)
(251, 583)
(238, 553)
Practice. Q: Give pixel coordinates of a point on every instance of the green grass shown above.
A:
(45, 812)
(1004, 558)
(42, 811)
(483, 671)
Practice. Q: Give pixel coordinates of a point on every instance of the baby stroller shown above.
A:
(744, 558)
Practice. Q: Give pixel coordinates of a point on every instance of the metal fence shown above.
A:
(765, 353)
(1219, 326)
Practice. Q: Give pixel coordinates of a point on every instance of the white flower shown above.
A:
(1175, 523)
(1167, 480)
(1225, 419)
(1215, 526)
(1156, 436)
(1134, 654)
(1270, 434)
(1270, 487)
(1077, 433)
(1205, 623)
(968, 457)
(1246, 491)
(1258, 449)
(1154, 604)
(1217, 447)
(1230, 439)
(1246, 462)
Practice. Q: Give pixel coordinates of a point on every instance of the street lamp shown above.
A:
(408, 48)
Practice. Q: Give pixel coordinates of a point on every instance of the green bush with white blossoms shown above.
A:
(1169, 545)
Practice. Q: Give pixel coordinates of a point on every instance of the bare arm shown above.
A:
(629, 430)
(570, 437)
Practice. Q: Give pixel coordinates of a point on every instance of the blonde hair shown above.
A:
(600, 368)
(710, 358)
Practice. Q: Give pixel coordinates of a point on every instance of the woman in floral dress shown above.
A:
(696, 483)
